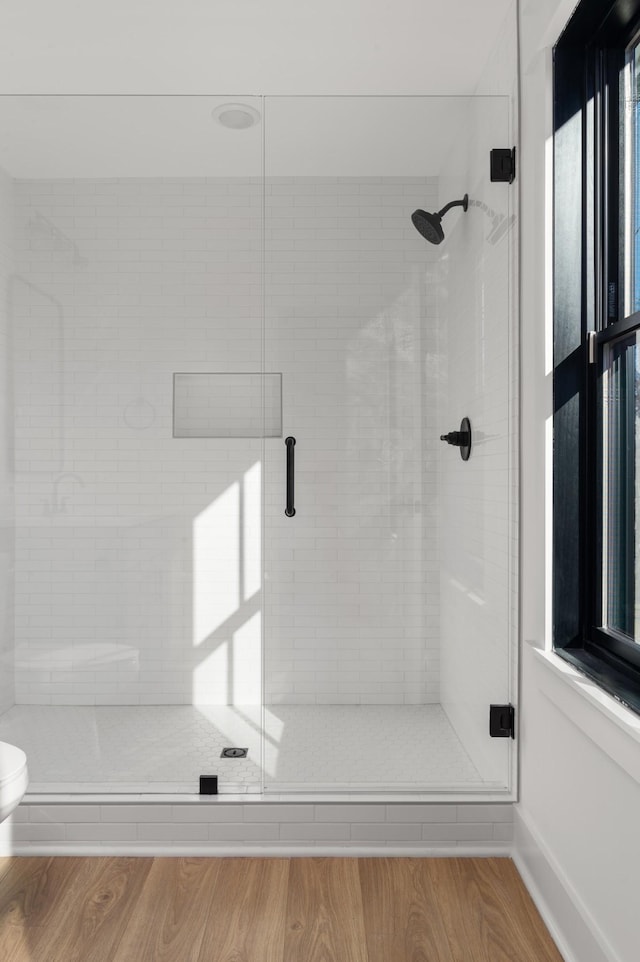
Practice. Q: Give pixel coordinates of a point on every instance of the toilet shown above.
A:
(14, 778)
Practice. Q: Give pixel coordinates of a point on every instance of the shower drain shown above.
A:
(234, 753)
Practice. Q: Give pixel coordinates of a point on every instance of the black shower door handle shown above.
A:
(290, 510)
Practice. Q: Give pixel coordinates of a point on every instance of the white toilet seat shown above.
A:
(14, 778)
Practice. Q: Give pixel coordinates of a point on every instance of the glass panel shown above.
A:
(621, 396)
(629, 266)
(136, 254)
(478, 533)
(389, 593)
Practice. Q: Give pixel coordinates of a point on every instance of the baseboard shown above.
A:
(572, 928)
(156, 850)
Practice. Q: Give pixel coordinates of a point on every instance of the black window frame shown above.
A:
(587, 315)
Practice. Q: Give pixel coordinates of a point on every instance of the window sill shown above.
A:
(611, 726)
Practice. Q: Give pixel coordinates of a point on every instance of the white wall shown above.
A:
(6, 447)
(577, 838)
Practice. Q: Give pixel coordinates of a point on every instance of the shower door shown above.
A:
(387, 595)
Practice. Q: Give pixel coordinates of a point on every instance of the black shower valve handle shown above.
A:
(459, 438)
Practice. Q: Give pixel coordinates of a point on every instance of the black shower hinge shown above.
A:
(503, 165)
(502, 721)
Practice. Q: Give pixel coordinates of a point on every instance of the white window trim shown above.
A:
(613, 727)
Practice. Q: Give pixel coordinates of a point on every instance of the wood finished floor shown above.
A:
(268, 910)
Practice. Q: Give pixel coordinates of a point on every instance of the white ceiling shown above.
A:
(246, 46)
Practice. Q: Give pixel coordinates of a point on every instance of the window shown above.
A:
(596, 604)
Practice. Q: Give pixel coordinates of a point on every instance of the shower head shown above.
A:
(430, 225)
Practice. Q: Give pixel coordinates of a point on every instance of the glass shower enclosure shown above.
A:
(236, 544)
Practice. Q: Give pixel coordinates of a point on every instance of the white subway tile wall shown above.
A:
(139, 555)
(240, 827)
(352, 584)
(6, 448)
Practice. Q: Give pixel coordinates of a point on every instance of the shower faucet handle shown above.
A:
(456, 437)
(461, 438)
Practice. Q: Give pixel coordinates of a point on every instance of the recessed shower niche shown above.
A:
(227, 405)
(183, 296)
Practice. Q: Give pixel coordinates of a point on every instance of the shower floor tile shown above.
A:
(363, 748)
(135, 749)
(165, 749)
